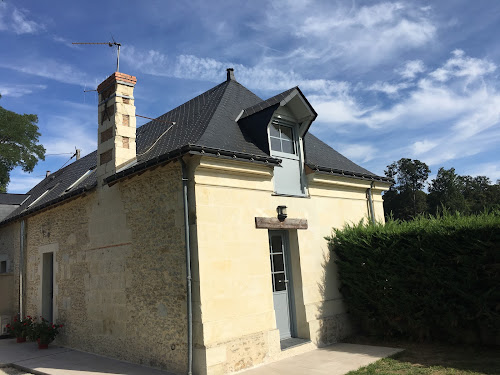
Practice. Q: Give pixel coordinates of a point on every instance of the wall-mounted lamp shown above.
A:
(281, 210)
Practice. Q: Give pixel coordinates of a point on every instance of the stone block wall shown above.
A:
(9, 283)
(119, 269)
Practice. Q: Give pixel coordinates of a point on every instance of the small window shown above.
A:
(3, 266)
(40, 197)
(77, 182)
(282, 138)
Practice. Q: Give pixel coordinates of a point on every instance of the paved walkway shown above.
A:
(336, 359)
(61, 361)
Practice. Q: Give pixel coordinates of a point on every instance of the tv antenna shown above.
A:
(111, 44)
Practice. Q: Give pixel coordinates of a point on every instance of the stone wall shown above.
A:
(9, 283)
(235, 288)
(119, 269)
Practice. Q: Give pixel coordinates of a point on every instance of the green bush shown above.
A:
(431, 278)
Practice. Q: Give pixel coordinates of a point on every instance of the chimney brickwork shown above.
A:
(117, 124)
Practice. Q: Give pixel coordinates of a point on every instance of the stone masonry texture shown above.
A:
(119, 264)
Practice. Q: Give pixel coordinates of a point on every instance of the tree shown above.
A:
(406, 199)
(18, 144)
(447, 191)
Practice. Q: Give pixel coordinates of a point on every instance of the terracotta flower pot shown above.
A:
(42, 345)
(20, 339)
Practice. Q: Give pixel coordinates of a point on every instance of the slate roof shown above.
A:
(12, 199)
(205, 124)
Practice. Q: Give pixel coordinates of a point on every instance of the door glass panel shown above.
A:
(276, 244)
(279, 282)
(279, 265)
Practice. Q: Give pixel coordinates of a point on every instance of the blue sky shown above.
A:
(417, 79)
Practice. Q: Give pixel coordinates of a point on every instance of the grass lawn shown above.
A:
(432, 359)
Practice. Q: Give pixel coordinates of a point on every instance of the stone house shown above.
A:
(102, 247)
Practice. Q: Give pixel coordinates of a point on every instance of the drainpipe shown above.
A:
(21, 269)
(370, 201)
(188, 265)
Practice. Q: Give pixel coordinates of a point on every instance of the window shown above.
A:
(282, 137)
(284, 144)
(40, 197)
(77, 182)
(3, 266)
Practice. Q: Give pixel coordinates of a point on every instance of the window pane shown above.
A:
(273, 130)
(288, 147)
(278, 263)
(279, 282)
(286, 133)
(275, 144)
(276, 244)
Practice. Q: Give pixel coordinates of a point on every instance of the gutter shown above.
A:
(343, 173)
(21, 268)
(188, 265)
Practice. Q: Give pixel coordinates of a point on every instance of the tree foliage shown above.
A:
(406, 199)
(18, 144)
(448, 191)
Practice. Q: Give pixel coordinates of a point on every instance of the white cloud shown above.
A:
(193, 67)
(22, 25)
(388, 88)
(360, 153)
(48, 68)
(17, 91)
(16, 20)
(21, 182)
(492, 170)
(463, 66)
(421, 147)
(357, 36)
(411, 69)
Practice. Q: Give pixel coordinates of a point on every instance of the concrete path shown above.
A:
(58, 361)
(336, 359)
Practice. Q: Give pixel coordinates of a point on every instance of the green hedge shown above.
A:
(431, 278)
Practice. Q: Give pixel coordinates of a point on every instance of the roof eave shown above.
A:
(344, 173)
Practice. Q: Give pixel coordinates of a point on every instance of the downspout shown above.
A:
(188, 265)
(21, 269)
(370, 201)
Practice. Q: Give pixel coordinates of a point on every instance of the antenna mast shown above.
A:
(111, 44)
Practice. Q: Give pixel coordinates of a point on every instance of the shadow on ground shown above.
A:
(480, 359)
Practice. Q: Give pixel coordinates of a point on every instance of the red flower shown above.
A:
(60, 325)
(53, 326)
(15, 319)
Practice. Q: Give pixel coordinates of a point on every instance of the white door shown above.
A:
(281, 284)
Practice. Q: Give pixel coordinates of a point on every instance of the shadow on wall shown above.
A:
(334, 321)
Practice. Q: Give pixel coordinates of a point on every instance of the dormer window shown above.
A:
(284, 144)
(282, 136)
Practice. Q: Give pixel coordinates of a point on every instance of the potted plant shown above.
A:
(20, 328)
(44, 332)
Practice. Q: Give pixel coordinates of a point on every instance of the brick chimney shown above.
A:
(117, 126)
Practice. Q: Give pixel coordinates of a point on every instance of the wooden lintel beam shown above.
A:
(274, 223)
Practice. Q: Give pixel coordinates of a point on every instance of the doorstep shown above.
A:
(61, 361)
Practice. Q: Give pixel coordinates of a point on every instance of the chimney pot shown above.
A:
(230, 74)
(47, 174)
